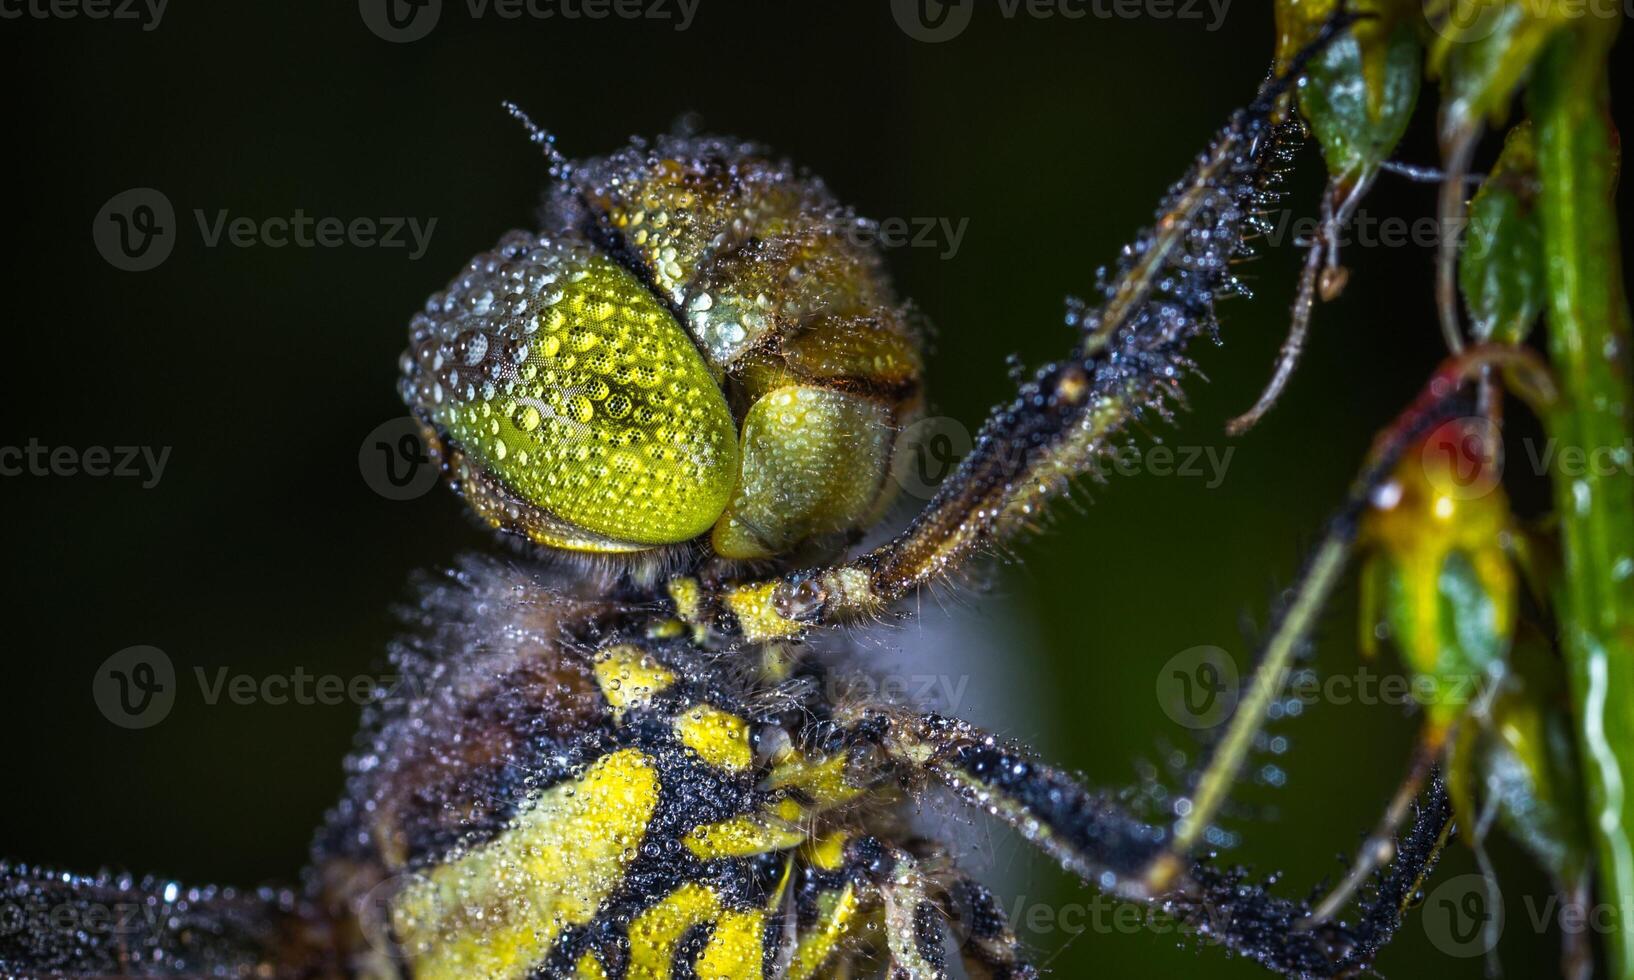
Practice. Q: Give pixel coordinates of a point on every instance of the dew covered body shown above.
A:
(580, 791)
(697, 362)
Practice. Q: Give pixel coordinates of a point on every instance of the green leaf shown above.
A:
(1528, 757)
(1484, 49)
(1501, 266)
(1360, 92)
(1454, 640)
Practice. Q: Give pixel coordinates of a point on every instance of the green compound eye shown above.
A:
(576, 409)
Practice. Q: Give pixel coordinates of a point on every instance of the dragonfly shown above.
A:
(617, 752)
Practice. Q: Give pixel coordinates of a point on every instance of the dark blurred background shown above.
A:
(263, 550)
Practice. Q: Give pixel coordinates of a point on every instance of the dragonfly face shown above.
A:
(697, 348)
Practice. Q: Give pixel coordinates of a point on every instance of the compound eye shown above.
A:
(575, 409)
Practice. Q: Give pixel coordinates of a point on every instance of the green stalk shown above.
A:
(1589, 336)
(1270, 681)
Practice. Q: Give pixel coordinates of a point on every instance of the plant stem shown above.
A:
(1588, 340)
(1270, 682)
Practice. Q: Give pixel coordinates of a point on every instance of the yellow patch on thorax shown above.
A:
(822, 779)
(687, 595)
(757, 612)
(828, 852)
(496, 910)
(735, 946)
(836, 915)
(719, 737)
(630, 678)
(744, 836)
